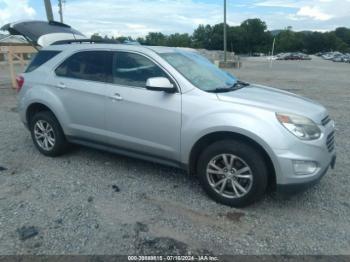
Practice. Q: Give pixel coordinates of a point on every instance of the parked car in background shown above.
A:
(346, 58)
(320, 54)
(258, 54)
(281, 56)
(293, 56)
(173, 106)
(336, 57)
(305, 57)
(330, 55)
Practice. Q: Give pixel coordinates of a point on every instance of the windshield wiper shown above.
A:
(235, 86)
(220, 90)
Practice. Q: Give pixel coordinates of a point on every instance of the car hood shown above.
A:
(275, 100)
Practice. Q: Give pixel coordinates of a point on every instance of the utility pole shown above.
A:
(225, 34)
(60, 10)
(48, 8)
(272, 51)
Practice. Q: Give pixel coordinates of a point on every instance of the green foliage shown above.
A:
(249, 37)
(156, 39)
(180, 40)
(289, 41)
(255, 36)
(96, 36)
(343, 34)
(202, 37)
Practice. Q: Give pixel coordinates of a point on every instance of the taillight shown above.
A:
(20, 82)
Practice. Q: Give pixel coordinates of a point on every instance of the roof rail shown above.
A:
(81, 41)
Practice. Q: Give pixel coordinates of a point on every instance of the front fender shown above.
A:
(267, 134)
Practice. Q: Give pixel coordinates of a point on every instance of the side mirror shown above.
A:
(160, 84)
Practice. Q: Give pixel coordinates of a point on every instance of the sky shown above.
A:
(138, 17)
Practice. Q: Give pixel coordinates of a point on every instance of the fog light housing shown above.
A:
(302, 167)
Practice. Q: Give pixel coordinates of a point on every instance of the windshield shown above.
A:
(199, 71)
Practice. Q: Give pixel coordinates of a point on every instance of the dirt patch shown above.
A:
(161, 246)
(233, 216)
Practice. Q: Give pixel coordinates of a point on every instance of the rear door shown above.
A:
(81, 84)
(43, 33)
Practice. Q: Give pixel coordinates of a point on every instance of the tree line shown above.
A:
(251, 36)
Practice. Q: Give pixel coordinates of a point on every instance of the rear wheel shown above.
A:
(232, 173)
(47, 134)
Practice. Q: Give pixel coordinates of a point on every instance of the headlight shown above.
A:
(300, 126)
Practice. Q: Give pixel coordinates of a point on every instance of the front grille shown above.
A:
(330, 142)
(326, 120)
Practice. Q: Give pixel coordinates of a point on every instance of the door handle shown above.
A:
(61, 86)
(116, 97)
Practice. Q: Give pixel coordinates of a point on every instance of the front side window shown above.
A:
(199, 71)
(132, 69)
(88, 65)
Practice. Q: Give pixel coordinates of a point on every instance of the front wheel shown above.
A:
(232, 173)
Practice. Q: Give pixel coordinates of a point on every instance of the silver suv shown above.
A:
(173, 106)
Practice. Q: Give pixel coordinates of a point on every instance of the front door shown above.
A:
(140, 120)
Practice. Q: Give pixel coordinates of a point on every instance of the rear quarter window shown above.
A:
(40, 58)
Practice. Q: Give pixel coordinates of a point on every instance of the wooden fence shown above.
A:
(15, 54)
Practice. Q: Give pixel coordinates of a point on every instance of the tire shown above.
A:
(248, 170)
(46, 121)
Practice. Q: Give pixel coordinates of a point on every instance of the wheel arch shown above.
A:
(36, 107)
(210, 138)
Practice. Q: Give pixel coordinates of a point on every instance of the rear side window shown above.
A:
(88, 65)
(40, 58)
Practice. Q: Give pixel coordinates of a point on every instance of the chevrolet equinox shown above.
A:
(171, 106)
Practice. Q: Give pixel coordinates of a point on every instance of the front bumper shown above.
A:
(319, 151)
(300, 187)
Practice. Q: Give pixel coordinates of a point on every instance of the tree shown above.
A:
(217, 37)
(289, 41)
(344, 34)
(202, 37)
(156, 38)
(255, 34)
(96, 37)
(235, 39)
(332, 42)
(315, 42)
(251, 36)
(179, 40)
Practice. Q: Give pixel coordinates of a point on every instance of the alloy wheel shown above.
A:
(44, 135)
(229, 176)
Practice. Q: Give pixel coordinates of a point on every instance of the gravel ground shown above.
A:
(92, 202)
